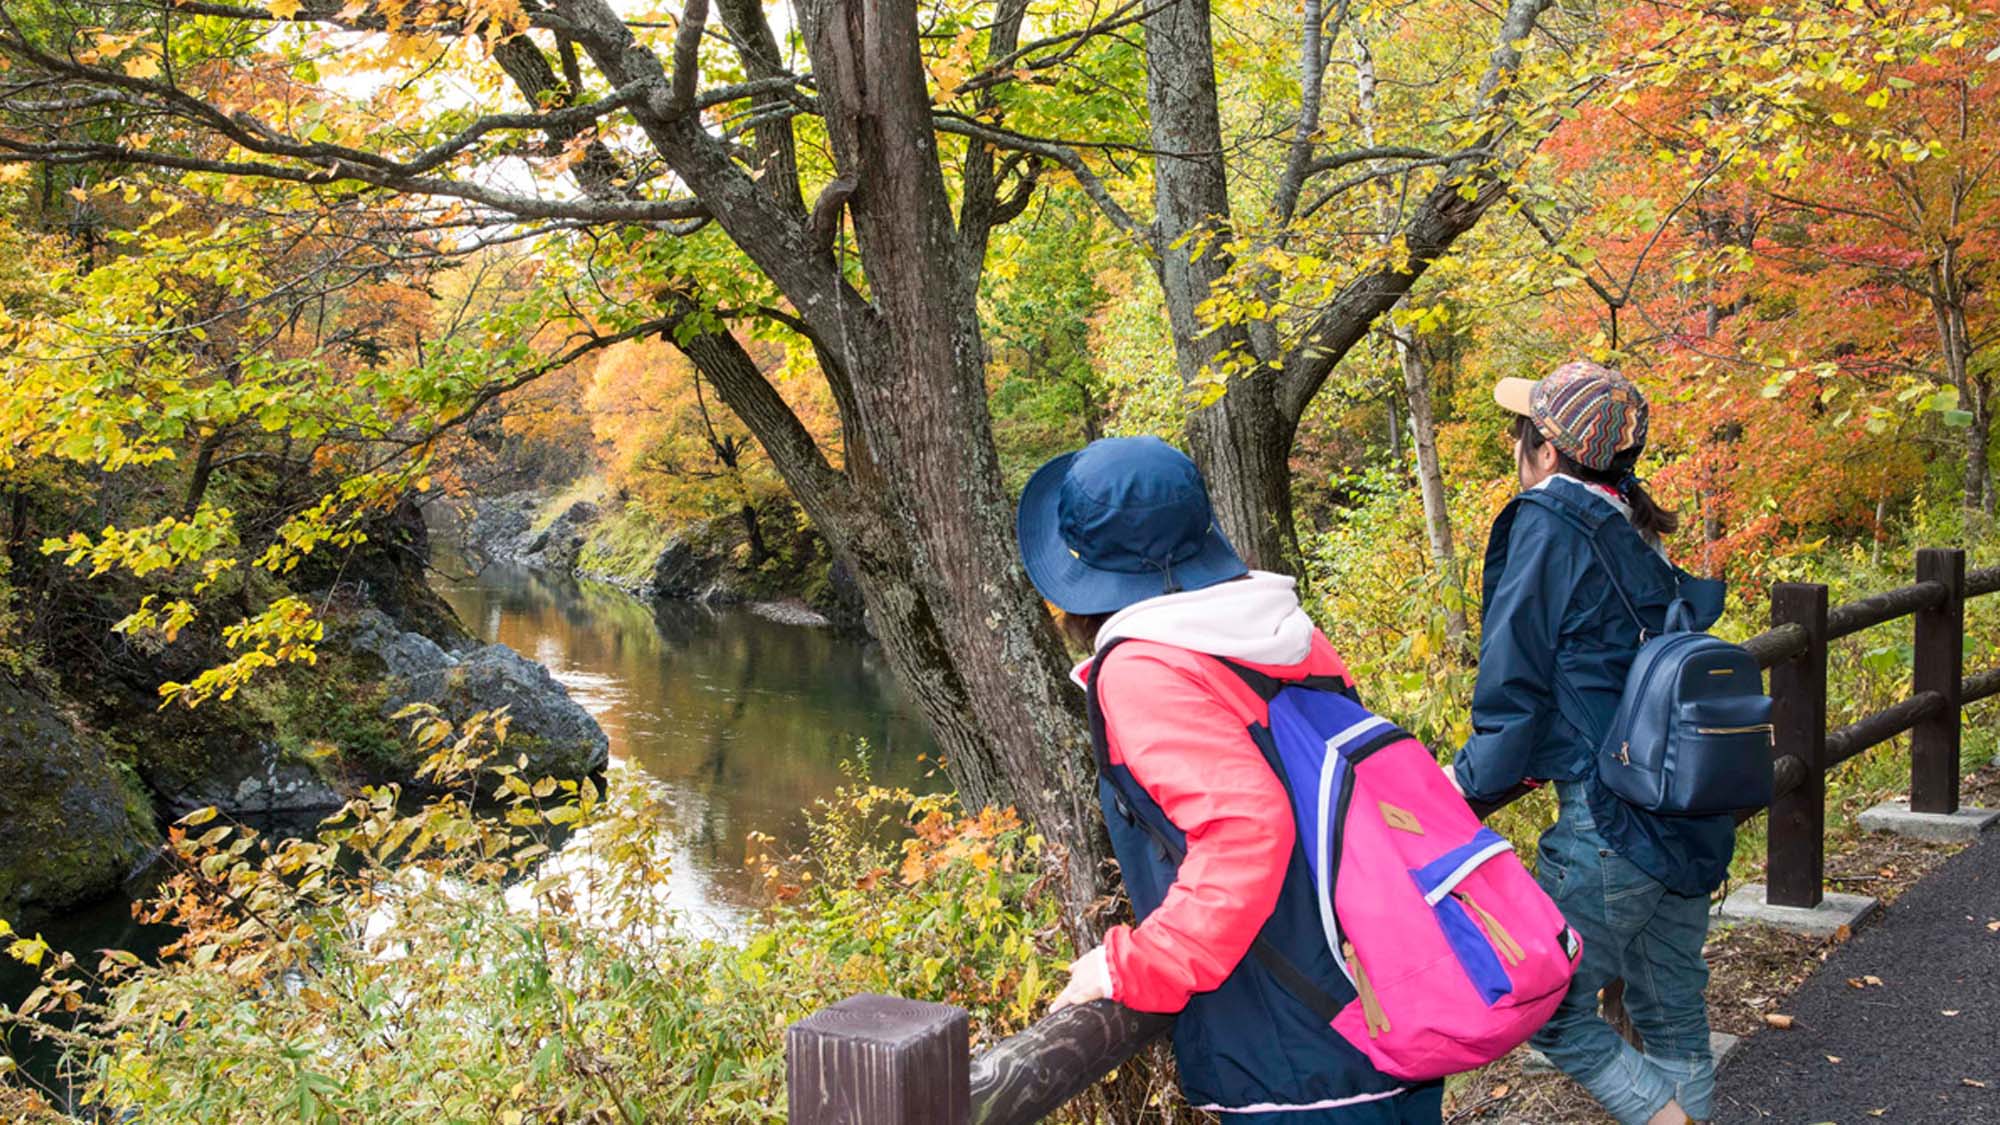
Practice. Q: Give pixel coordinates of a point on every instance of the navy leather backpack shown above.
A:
(1692, 735)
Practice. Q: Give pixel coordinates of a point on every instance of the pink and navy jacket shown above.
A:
(1185, 745)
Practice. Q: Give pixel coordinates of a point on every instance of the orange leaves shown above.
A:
(950, 70)
(941, 840)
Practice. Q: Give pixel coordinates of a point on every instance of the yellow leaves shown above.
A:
(143, 66)
(29, 951)
(163, 545)
(162, 624)
(285, 9)
(285, 633)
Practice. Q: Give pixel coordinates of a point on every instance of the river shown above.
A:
(741, 721)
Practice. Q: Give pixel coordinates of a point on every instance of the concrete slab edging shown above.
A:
(1961, 827)
(1746, 904)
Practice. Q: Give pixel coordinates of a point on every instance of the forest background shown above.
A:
(842, 274)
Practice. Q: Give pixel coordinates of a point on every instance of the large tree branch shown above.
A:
(1305, 131)
(979, 191)
(1069, 160)
(770, 113)
(743, 387)
(587, 210)
(1464, 192)
(772, 235)
(687, 55)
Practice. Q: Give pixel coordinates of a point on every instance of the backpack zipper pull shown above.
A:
(1503, 942)
(1371, 1005)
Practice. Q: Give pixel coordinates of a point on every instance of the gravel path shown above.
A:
(1902, 1024)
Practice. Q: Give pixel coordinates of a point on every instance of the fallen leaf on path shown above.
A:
(1950, 1011)
(1974, 1083)
(1834, 1059)
(1782, 1023)
(1877, 1112)
(1843, 932)
(1993, 927)
(1872, 981)
(1500, 1091)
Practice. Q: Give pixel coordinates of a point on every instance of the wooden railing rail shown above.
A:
(883, 1060)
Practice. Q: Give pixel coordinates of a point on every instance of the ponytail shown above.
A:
(1651, 520)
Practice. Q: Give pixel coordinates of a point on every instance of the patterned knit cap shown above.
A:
(1586, 410)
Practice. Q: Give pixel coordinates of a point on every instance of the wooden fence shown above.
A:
(884, 1060)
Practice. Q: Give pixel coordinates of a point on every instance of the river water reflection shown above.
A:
(743, 722)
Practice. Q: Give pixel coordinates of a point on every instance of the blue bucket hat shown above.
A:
(1119, 521)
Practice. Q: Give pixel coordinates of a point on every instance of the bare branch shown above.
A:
(517, 206)
(687, 55)
(1070, 161)
(826, 213)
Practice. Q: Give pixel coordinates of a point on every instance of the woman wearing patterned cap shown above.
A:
(1557, 643)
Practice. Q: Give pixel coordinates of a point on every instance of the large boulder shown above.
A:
(558, 736)
(501, 527)
(261, 780)
(556, 546)
(688, 566)
(71, 825)
(389, 571)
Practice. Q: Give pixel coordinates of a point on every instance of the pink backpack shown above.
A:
(1455, 954)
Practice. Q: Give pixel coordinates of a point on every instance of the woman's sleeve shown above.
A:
(1196, 759)
(1513, 697)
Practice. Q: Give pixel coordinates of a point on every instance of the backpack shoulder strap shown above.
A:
(1676, 609)
(1267, 687)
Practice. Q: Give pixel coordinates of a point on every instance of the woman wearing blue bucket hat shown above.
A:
(1120, 536)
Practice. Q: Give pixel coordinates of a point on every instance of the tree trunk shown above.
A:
(1948, 299)
(930, 539)
(753, 531)
(1241, 443)
(1242, 446)
(1253, 500)
(204, 468)
(1430, 482)
(1416, 388)
(1978, 468)
(919, 513)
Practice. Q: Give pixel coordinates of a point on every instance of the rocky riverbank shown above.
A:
(92, 768)
(785, 577)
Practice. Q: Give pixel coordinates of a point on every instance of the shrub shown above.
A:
(449, 964)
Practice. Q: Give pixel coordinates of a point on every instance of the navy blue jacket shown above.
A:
(1555, 648)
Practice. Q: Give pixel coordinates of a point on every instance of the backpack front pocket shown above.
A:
(1478, 940)
(1718, 755)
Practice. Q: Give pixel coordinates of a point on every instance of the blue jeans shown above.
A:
(1423, 1105)
(1632, 927)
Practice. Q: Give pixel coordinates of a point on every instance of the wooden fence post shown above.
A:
(1796, 859)
(1940, 667)
(879, 1060)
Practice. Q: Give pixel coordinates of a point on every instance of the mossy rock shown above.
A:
(71, 822)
